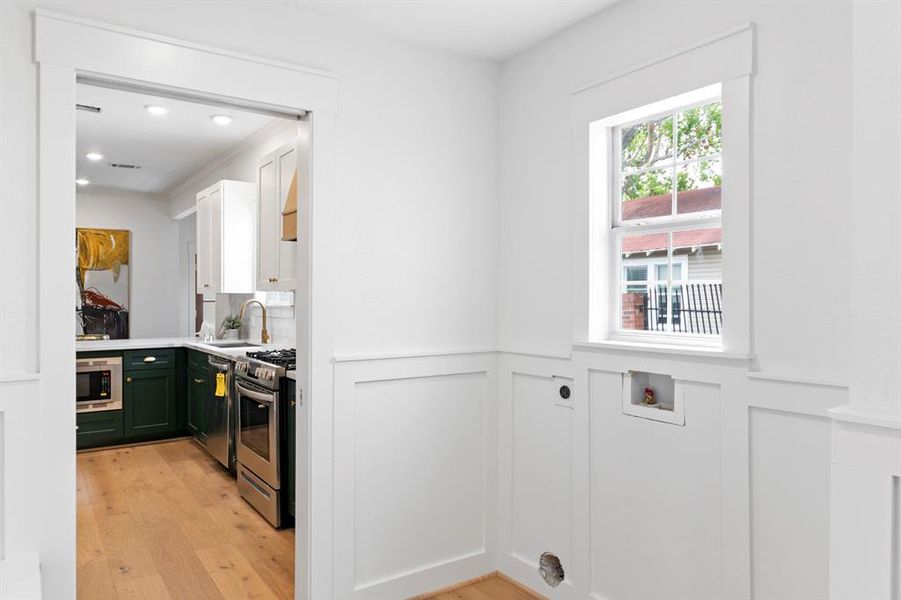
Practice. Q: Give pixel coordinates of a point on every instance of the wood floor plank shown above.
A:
(151, 587)
(499, 589)
(92, 580)
(235, 577)
(199, 529)
(487, 587)
(181, 569)
(87, 536)
(127, 557)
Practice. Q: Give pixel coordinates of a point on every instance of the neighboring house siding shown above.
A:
(707, 265)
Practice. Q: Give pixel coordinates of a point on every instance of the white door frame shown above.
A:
(67, 47)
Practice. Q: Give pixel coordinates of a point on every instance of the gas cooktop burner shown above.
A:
(280, 358)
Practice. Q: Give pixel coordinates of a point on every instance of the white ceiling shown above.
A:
(169, 149)
(493, 29)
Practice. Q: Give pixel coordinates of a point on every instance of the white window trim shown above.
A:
(725, 58)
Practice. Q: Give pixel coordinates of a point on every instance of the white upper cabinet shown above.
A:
(277, 259)
(226, 230)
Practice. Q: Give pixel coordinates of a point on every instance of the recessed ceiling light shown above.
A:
(93, 156)
(82, 181)
(156, 110)
(221, 119)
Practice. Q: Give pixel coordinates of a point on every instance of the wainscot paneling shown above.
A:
(789, 505)
(414, 473)
(655, 497)
(19, 452)
(734, 504)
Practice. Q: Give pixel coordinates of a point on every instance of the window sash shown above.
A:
(617, 172)
(619, 233)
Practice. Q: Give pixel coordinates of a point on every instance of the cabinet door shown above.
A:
(215, 233)
(198, 388)
(150, 406)
(203, 242)
(286, 273)
(268, 227)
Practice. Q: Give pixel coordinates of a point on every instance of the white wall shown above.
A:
(735, 504)
(802, 82)
(155, 260)
(416, 209)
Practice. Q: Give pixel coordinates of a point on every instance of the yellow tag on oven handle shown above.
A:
(220, 384)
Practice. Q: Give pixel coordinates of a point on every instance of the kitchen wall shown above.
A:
(187, 249)
(735, 503)
(415, 269)
(239, 164)
(155, 258)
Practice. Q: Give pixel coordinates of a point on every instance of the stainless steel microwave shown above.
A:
(98, 384)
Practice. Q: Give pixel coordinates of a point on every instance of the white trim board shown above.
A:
(68, 47)
(726, 59)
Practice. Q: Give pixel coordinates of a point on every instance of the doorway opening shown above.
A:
(186, 271)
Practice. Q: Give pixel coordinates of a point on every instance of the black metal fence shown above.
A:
(697, 308)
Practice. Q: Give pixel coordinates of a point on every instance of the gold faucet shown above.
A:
(264, 335)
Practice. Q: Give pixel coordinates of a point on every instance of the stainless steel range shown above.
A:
(260, 435)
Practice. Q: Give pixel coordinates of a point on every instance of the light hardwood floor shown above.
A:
(165, 521)
(491, 587)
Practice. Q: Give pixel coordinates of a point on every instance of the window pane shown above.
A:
(639, 273)
(700, 295)
(637, 300)
(662, 270)
(647, 144)
(699, 186)
(677, 271)
(647, 195)
(699, 131)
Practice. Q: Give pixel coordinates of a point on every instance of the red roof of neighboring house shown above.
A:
(654, 242)
(660, 206)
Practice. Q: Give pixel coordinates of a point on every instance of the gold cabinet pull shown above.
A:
(198, 381)
(149, 359)
(128, 380)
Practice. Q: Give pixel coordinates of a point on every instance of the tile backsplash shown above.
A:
(279, 319)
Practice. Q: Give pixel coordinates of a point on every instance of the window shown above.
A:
(666, 190)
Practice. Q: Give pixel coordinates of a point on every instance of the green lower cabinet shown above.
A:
(291, 430)
(198, 390)
(102, 428)
(150, 403)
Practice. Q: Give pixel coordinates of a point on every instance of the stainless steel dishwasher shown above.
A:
(218, 412)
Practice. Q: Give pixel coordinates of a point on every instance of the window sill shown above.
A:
(668, 349)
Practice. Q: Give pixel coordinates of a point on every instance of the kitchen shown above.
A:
(186, 234)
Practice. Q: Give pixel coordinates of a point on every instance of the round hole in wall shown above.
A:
(550, 568)
(565, 392)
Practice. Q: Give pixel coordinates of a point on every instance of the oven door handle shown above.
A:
(260, 397)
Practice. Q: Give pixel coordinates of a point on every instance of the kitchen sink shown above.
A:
(232, 344)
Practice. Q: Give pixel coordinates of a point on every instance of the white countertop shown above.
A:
(185, 342)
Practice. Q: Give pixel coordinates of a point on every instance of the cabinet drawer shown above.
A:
(98, 428)
(149, 359)
(198, 360)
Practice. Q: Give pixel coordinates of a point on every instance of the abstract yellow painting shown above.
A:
(102, 274)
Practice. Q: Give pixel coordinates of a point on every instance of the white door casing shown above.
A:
(67, 48)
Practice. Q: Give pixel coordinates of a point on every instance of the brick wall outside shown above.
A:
(633, 311)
